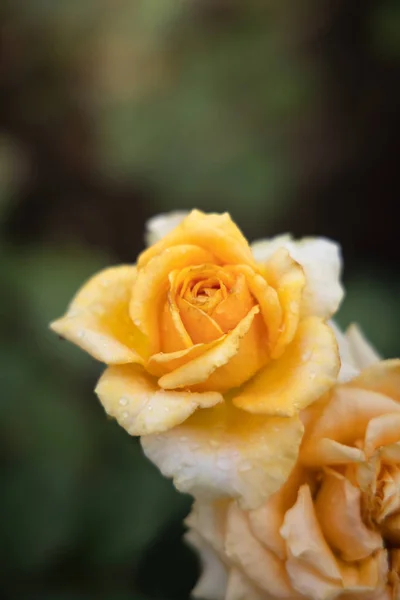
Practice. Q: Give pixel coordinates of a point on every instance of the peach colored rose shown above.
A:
(212, 349)
(333, 530)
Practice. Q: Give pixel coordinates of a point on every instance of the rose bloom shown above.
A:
(212, 348)
(333, 530)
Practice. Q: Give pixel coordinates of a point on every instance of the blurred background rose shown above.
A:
(286, 114)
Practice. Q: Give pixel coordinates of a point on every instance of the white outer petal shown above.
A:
(240, 588)
(210, 465)
(208, 520)
(321, 261)
(213, 579)
(159, 225)
(356, 353)
(348, 366)
(363, 353)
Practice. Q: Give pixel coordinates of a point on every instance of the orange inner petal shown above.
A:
(199, 325)
(235, 306)
(204, 302)
(151, 287)
(173, 334)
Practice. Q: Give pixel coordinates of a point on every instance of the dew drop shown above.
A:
(123, 401)
(125, 415)
(81, 334)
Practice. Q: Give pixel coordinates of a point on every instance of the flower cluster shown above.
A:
(333, 529)
(222, 357)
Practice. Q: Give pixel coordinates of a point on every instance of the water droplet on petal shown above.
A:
(123, 401)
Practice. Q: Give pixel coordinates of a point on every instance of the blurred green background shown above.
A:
(284, 113)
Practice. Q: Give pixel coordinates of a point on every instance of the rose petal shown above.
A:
(382, 431)
(263, 249)
(225, 452)
(321, 261)
(216, 233)
(323, 451)
(383, 378)
(304, 538)
(160, 225)
(213, 579)
(208, 519)
(346, 417)
(306, 370)
(391, 495)
(391, 529)
(200, 326)
(173, 334)
(337, 507)
(235, 307)
(391, 453)
(348, 366)
(132, 397)
(310, 583)
(266, 521)
(287, 278)
(151, 284)
(267, 298)
(366, 578)
(164, 362)
(263, 567)
(245, 341)
(240, 588)
(364, 355)
(98, 319)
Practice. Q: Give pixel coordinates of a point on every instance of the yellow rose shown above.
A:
(202, 321)
(333, 530)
